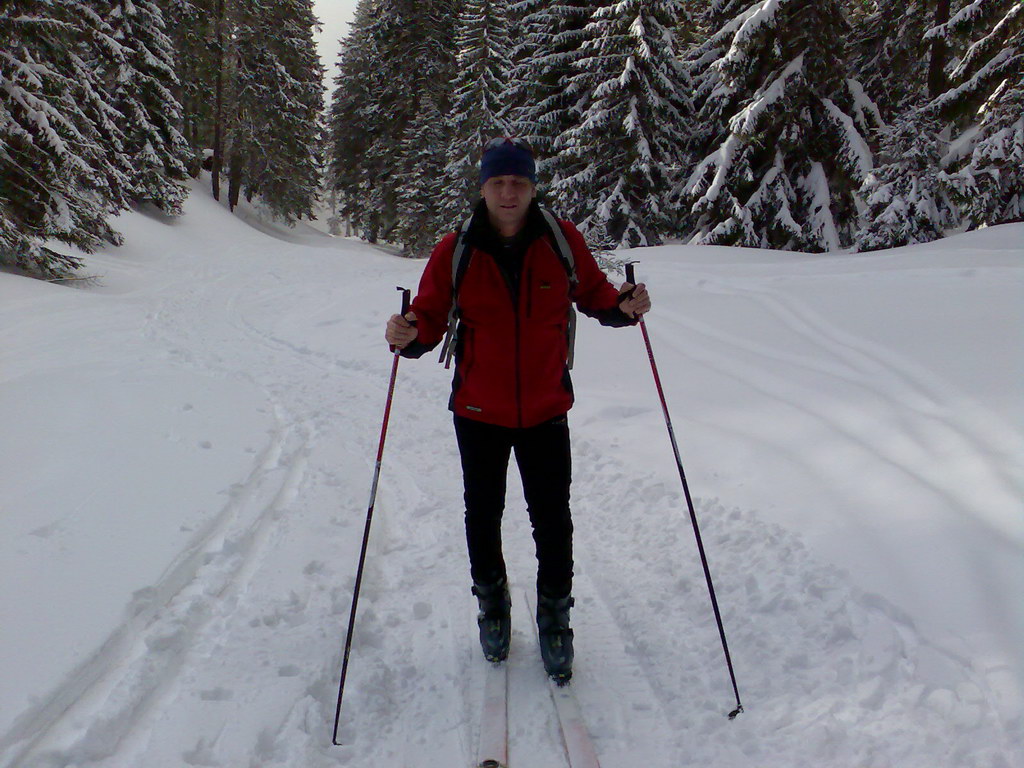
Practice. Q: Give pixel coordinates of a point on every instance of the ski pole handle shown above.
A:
(405, 310)
(631, 279)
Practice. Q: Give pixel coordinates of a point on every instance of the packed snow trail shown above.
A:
(215, 404)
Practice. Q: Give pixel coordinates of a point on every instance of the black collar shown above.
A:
(483, 235)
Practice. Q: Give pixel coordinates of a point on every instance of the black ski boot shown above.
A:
(494, 619)
(555, 636)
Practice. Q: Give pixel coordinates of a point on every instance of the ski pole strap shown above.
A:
(448, 347)
(570, 335)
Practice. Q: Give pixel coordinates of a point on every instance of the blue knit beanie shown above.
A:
(507, 159)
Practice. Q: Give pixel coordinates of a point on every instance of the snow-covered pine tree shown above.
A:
(908, 193)
(422, 220)
(424, 183)
(790, 152)
(274, 145)
(138, 78)
(350, 135)
(985, 104)
(60, 154)
(628, 143)
(479, 99)
(222, 41)
(245, 80)
(299, 130)
(889, 55)
(373, 103)
(722, 11)
(542, 105)
(190, 27)
(991, 183)
(717, 23)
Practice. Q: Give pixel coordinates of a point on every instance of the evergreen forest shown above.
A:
(806, 125)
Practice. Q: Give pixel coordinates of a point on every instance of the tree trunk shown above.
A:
(937, 82)
(234, 179)
(218, 133)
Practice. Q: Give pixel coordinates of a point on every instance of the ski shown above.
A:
(493, 748)
(579, 748)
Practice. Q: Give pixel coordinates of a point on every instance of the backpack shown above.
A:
(460, 261)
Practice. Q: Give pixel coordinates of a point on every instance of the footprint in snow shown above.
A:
(314, 568)
(202, 754)
(217, 694)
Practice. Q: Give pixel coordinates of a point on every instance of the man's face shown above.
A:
(508, 201)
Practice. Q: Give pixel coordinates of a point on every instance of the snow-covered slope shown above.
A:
(186, 452)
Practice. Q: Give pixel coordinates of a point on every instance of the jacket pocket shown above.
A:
(548, 296)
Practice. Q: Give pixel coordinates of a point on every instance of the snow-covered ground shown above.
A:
(185, 459)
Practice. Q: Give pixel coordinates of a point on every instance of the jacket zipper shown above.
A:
(519, 375)
(524, 283)
(515, 300)
(529, 291)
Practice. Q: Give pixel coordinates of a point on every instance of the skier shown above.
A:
(513, 290)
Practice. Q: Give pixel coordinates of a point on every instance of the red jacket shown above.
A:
(510, 361)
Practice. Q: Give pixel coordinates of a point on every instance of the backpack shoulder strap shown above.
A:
(562, 246)
(460, 261)
(569, 263)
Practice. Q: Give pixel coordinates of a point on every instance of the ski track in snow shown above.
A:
(911, 442)
(787, 619)
(897, 414)
(913, 400)
(232, 657)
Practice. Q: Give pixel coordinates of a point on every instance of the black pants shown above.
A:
(545, 466)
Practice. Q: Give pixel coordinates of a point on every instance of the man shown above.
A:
(511, 390)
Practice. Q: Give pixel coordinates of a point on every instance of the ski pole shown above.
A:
(366, 530)
(631, 278)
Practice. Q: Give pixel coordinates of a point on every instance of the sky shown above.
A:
(335, 16)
